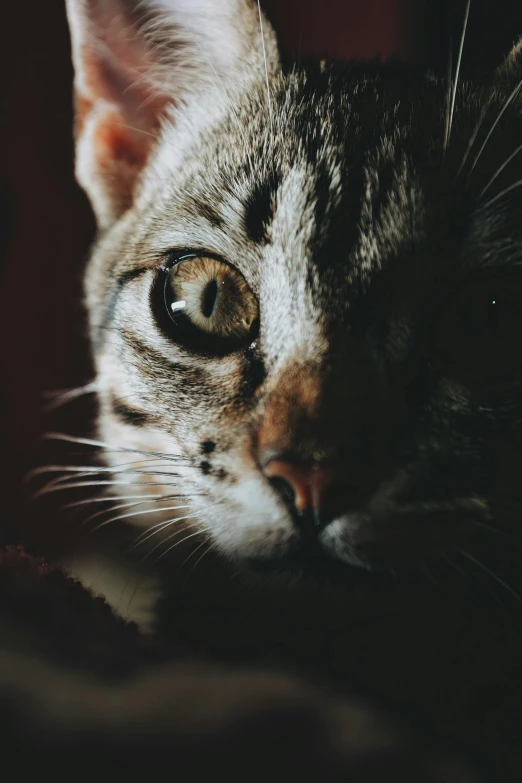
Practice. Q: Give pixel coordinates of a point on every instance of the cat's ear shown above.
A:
(136, 61)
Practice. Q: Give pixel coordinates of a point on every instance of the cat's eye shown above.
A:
(479, 330)
(209, 304)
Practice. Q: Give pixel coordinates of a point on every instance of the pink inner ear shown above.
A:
(117, 91)
(119, 153)
(118, 144)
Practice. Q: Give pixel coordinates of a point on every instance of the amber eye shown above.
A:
(479, 330)
(210, 304)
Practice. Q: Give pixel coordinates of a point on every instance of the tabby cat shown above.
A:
(304, 308)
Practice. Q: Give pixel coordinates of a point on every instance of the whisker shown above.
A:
(143, 500)
(198, 561)
(456, 567)
(193, 553)
(87, 469)
(112, 498)
(500, 170)
(68, 482)
(473, 137)
(491, 573)
(498, 531)
(63, 396)
(107, 446)
(76, 484)
(470, 577)
(507, 102)
(160, 526)
(448, 98)
(178, 543)
(457, 70)
(502, 193)
(136, 514)
(153, 531)
(117, 471)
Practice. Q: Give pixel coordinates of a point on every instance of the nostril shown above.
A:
(305, 488)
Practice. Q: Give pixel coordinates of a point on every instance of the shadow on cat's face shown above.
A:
(305, 298)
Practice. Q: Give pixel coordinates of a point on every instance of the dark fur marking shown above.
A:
(207, 447)
(130, 415)
(205, 467)
(254, 371)
(221, 474)
(131, 274)
(322, 194)
(207, 211)
(259, 209)
(154, 363)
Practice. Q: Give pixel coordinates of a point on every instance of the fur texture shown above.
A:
(330, 191)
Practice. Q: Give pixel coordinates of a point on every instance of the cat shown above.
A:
(303, 303)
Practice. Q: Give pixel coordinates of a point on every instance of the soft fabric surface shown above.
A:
(79, 686)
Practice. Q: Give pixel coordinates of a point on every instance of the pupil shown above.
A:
(209, 300)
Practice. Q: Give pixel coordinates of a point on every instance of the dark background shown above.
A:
(46, 224)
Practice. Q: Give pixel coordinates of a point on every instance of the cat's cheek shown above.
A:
(339, 540)
(250, 523)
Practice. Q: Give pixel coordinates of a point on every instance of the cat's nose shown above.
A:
(308, 483)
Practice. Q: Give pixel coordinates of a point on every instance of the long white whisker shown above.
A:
(469, 578)
(67, 482)
(76, 484)
(206, 551)
(507, 102)
(504, 192)
(152, 531)
(141, 502)
(168, 538)
(473, 137)
(63, 396)
(107, 446)
(155, 529)
(449, 93)
(457, 70)
(184, 563)
(457, 568)
(495, 530)
(491, 573)
(113, 498)
(500, 170)
(137, 514)
(86, 469)
(178, 543)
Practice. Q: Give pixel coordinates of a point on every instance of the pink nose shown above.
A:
(309, 483)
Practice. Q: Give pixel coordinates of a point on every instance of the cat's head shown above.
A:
(305, 296)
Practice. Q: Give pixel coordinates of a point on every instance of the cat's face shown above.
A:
(303, 309)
